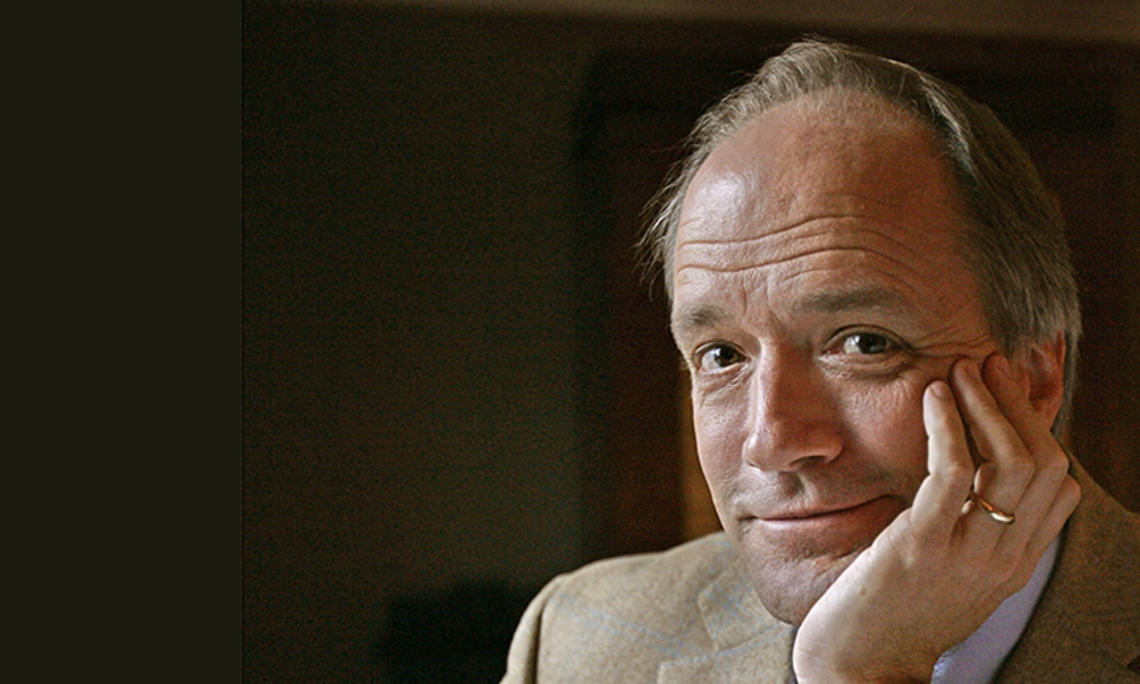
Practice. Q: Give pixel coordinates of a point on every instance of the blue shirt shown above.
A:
(980, 656)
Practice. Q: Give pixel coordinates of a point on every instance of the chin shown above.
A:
(789, 588)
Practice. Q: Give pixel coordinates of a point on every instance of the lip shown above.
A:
(859, 521)
(821, 512)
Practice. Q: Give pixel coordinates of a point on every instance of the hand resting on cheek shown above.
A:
(938, 571)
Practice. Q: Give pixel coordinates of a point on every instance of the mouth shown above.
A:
(841, 523)
(821, 512)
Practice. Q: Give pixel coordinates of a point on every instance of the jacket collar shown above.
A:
(1088, 618)
(748, 643)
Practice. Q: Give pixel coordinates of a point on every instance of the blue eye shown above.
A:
(718, 356)
(867, 343)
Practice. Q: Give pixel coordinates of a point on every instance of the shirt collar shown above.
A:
(980, 656)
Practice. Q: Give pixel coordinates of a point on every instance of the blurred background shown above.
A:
(456, 385)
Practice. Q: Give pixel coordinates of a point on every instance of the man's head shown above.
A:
(845, 230)
(1014, 238)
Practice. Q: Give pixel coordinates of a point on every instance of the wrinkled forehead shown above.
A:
(828, 156)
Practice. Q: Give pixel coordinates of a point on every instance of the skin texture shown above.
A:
(819, 302)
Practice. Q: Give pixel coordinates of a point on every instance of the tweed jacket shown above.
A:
(690, 614)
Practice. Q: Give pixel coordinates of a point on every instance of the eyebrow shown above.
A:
(867, 297)
(864, 297)
(696, 318)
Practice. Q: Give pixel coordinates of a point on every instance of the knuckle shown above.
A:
(1054, 460)
(958, 474)
(1070, 491)
(1021, 465)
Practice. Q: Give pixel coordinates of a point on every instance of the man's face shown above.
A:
(818, 289)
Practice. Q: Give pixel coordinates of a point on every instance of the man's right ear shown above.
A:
(1040, 371)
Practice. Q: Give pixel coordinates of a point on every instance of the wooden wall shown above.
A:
(451, 379)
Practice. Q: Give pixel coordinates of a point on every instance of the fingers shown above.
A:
(1060, 508)
(1020, 563)
(1034, 429)
(1051, 494)
(1023, 469)
(1006, 466)
(938, 502)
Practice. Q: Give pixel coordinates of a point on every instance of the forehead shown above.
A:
(844, 185)
(842, 151)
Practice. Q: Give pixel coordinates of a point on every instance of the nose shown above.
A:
(793, 422)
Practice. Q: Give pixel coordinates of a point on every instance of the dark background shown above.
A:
(455, 387)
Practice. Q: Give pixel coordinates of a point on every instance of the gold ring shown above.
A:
(994, 512)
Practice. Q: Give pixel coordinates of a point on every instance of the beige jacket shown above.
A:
(690, 615)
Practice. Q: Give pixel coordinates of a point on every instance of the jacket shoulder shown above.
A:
(634, 584)
(619, 617)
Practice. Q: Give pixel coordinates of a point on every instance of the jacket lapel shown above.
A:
(749, 645)
(1088, 619)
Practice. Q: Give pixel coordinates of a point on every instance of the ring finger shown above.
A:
(1005, 465)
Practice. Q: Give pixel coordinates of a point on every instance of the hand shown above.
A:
(938, 571)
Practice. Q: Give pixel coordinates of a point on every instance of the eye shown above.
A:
(717, 357)
(867, 343)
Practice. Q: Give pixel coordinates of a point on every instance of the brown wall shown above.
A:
(430, 383)
(411, 411)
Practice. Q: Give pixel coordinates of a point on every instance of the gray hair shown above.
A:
(1015, 241)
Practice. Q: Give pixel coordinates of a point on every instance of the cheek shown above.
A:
(719, 442)
(884, 422)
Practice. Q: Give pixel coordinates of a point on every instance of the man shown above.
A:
(873, 295)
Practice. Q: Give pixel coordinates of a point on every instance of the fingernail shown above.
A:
(940, 389)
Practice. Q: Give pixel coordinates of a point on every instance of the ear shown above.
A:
(1041, 373)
